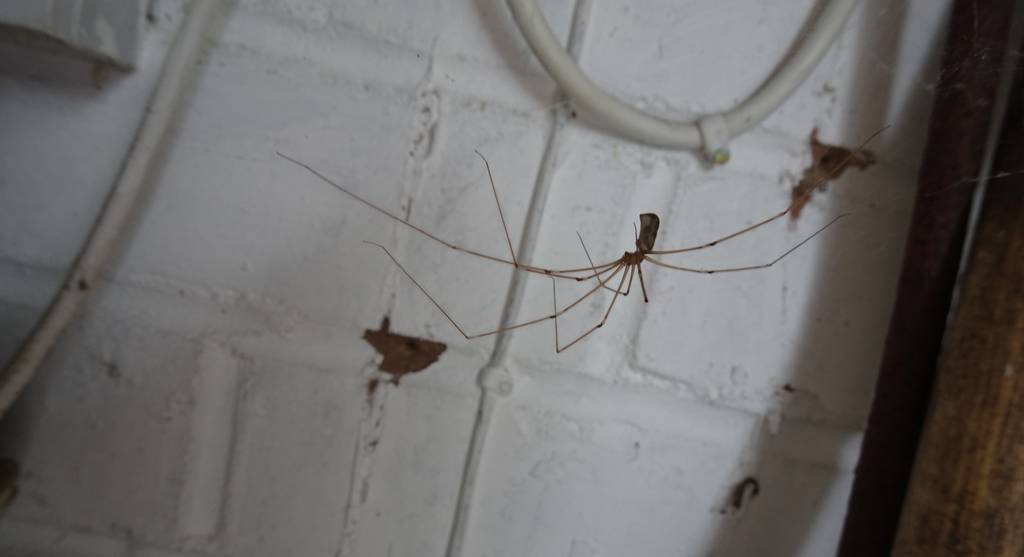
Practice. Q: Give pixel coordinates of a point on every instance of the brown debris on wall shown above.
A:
(828, 162)
(401, 354)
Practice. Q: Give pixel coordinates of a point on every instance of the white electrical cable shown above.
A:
(708, 133)
(119, 207)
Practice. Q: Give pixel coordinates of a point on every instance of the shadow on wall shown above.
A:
(74, 80)
(788, 508)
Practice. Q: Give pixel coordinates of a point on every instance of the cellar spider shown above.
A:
(625, 268)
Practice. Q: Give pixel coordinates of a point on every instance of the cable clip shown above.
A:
(714, 133)
(496, 379)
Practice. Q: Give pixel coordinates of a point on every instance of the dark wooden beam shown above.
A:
(958, 133)
(966, 493)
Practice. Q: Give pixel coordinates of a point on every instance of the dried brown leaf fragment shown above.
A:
(401, 354)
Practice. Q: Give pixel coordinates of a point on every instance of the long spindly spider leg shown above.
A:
(607, 268)
(626, 293)
(554, 306)
(776, 216)
(501, 214)
(640, 272)
(747, 267)
(604, 318)
(557, 273)
(717, 241)
(629, 284)
(554, 297)
(601, 282)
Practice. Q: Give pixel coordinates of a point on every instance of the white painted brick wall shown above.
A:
(212, 399)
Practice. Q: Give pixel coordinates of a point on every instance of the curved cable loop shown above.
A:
(708, 133)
